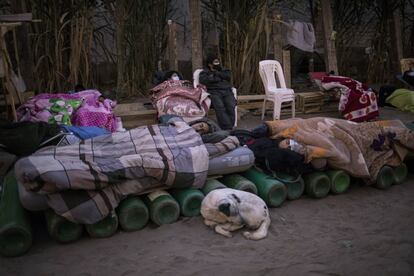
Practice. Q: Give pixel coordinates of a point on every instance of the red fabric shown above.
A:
(358, 102)
(317, 75)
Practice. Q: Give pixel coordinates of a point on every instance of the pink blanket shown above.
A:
(81, 109)
(181, 98)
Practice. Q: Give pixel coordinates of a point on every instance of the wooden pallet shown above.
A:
(309, 102)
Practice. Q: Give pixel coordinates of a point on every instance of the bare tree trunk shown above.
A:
(397, 39)
(172, 45)
(120, 47)
(196, 45)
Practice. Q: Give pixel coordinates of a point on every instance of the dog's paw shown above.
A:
(253, 236)
(210, 223)
(222, 231)
(248, 235)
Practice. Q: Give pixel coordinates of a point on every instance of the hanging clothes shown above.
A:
(301, 35)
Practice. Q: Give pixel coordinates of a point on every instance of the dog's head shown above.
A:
(229, 205)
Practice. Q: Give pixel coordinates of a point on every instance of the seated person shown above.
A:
(161, 76)
(217, 80)
(175, 96)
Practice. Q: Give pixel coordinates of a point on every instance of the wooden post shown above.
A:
(26, 52)
(196, 45)
(329, 37)
(172, 45)
(398, 37)
(277, 39)
(286, 68)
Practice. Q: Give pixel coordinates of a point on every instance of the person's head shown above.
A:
(175, 76)
(172, 75)
(213, 62)
(408, 77)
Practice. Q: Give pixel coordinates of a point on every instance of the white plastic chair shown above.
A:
(274, 93)
(196, 81)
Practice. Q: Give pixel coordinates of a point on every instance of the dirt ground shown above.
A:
(364, 231)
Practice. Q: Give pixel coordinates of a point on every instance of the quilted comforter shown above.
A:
(84, 182)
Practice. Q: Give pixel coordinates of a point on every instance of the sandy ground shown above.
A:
(364, 231)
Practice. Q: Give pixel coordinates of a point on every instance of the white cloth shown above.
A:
(301, 35)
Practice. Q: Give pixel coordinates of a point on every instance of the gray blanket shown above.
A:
(85, 182)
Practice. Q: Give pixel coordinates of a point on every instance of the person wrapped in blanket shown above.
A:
(175, 96)
(360, 149)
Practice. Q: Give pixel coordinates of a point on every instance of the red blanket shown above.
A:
(358, 102)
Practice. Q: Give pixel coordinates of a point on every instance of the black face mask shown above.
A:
(217, 67)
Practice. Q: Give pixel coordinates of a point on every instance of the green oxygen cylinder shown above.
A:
(15, 229)
(212, 184)
(385, 178)
(133, 214)
(163, 208)
(340, 181)
(189, 200)
(238, 182)
(294, 184)
(103, 228)
(317, 184)
(61, 229)
(400, 173)
(271, 190)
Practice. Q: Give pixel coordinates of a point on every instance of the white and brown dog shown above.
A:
(227, 210)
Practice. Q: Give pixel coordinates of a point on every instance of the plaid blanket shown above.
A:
(84, 182)
(359, 149)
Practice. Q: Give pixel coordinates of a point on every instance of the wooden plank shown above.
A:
(287, 68)
(16, 17)
(242, 98)
(329, 38)
(196, 45)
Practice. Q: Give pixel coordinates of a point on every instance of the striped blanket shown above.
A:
(85, 182)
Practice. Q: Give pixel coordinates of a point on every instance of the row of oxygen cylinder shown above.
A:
(162, 207)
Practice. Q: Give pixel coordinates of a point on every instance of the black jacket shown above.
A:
(216, 80)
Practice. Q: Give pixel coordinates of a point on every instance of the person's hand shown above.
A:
(217, 67)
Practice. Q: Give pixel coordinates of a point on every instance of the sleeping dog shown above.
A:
(227, 210)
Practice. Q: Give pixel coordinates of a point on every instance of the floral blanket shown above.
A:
(358, 103)
(81, 109)
(360, 149)
(181, 98)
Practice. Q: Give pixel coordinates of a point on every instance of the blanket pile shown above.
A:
(81, 109)
(85, 181)
(358, 103)
(359, 149)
